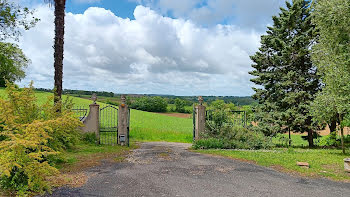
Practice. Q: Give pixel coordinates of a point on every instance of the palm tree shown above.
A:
(58, 46)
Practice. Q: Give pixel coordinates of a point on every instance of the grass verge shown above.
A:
(323, 162)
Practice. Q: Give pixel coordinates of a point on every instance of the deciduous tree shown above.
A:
(13, 18)
(331, 54)
(12, 63)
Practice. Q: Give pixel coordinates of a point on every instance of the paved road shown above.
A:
(168, 169)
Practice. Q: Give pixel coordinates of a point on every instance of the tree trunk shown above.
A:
(342, 138)
(289, 137)
(333, 126)
(58, 46)
(341, 132)
(310, 138)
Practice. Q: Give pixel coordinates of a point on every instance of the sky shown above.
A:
(176, 47)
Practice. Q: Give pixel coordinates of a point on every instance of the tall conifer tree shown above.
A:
(285, 73)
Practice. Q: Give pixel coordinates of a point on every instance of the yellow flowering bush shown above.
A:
(29, 134)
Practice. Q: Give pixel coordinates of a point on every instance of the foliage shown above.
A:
(283, 68)
(187, 109)
(112, 102)
(329, 140)
(234, 138)
(332, 55)
(323, 109)
(89, 138)
(12, 63)
(220, 114)
(150, 104)
(179, 105)
(222, 130)
(13, 18)
(31, 134)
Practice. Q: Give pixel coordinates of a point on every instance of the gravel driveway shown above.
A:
(168, 169)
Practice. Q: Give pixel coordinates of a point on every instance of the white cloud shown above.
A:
(151, 54)
(250, 14)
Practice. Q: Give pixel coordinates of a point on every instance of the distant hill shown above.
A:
(237, 100)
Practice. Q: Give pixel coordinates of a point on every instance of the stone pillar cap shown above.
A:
(347, 159)
(94, 98)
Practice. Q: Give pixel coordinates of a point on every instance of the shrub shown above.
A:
(31, 134)
(150, 104)
(333, 140)
(180, 105)
(89, 138)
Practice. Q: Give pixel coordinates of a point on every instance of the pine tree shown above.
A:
(283, 68)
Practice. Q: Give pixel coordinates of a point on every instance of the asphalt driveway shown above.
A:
(168, 169)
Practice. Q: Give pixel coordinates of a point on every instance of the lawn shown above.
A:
(297, 140)
(146, 126)
(323, 162)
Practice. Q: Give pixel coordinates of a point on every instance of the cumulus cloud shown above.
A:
(150, 54)
(250, 14)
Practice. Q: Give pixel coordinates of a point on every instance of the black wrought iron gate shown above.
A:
(109, 125)
(194, 122)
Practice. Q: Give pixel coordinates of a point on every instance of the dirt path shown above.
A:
(168, 169)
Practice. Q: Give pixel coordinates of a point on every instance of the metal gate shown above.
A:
(194, 122)
(109, 125)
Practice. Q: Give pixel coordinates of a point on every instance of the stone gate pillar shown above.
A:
(200, 119)
(123, 123)
(92, 121)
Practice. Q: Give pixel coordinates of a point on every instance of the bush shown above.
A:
(31, 134)
(179, 105)
(150, 104)
(209, 143)
(89, 138)
(333, 140)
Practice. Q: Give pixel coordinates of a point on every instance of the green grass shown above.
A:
(84, 152)
(297, 141)
(323, 162)
(144, 126)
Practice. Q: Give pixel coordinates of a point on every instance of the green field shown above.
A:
(144, 126)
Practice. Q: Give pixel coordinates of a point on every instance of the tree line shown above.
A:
(80, 92)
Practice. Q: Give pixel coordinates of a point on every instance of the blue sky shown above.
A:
(178, 47)
(122, 8)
